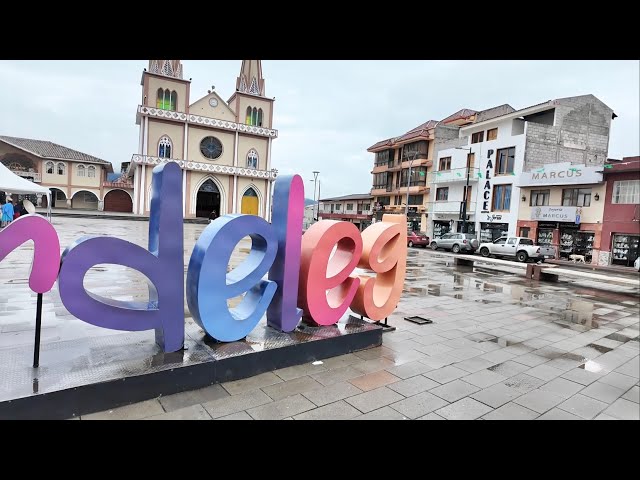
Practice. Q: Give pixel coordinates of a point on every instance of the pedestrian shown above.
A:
(213, 216)
(7, 213)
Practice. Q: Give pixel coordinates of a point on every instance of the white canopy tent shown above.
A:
(15, 184)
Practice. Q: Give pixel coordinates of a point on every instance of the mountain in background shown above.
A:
(308, 201)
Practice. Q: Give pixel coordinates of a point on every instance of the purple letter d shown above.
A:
(163, 264)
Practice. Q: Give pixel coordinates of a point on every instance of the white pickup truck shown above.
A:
(519, 247)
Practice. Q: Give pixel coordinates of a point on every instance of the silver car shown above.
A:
(456, 242)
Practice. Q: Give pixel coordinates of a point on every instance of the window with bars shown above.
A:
(626, 192)
(442, 194)
(49, 167)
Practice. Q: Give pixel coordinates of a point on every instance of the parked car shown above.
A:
(519, 247)
(456, 242)
(418, 239)
(636, 264)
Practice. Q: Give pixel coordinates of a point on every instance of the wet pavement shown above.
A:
(499, 346)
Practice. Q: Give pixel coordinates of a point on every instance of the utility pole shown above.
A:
(317, 205)
(466, 190)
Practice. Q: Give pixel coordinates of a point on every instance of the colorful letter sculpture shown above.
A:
(46, 249)
(209, 286)
(326, 289)
(163, 264)
(288, 212)
(385, 252)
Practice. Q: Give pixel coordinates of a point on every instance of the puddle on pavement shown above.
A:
(618, 337)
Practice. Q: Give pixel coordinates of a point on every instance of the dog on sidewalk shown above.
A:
(577, 258)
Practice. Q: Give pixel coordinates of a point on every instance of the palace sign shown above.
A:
(305, 276)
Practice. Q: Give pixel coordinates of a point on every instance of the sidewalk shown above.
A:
(63, 212)
(595, 268)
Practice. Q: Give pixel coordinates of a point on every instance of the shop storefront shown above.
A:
(440, 227)
(545, 233)
(490, 232)
(471, 227)
(625, 249)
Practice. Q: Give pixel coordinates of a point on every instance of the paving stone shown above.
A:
(508, 369)
(419, 405)
(496, 395)
(454, 391)
(409, 370)
(563, 387)
(291, 387)
(511, 411)
(632, 394)
(371, 353)
(539, 400)
(135, 411)
(374, 399)
(371, 381)
(337, 375)
(193, 397)
(373, 365)
(581, 376)
(287, 407)
(622, 409)
(619, 380)
(583, 406)
(296, 371)
(499, 356)
(465, 409)
(240, 416)
(384, 413)
(523, 383)
(483, 378)
(332, 393)
(400, 358)
(236, 403)
(473, 365)
(558, 414)
(252, 383)
(545, 372)
(193, 412)
(334, 411)
(431, 416)
(446, 374)
(603, 392)
(413, 385)
(531, 359)
(440, 360)
(341, 361)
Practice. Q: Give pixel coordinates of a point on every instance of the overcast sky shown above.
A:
(327, 112)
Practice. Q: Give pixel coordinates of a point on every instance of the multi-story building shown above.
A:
(77, 180)
(223, 148)
(536, 171)
(357, 209)
(309, 216)
(401, 168)
(620, 239)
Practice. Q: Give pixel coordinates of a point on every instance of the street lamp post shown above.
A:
(466, 191)
(316, 184)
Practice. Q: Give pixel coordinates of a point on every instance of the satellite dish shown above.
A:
(28, 206)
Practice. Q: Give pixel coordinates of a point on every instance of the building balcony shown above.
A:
(183, 117)
(206, 167)
(33, 176)
(453, 175)
(380, 168)
(450, 206)
(402, 189)
(383, 191)
(418, 162)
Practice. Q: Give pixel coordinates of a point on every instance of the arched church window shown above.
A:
(254, 116)
(167, 99)
(259, 117)
(164, 147)
(248, 119)
(252, 159)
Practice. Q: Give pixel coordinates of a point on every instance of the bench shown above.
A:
(551, 274)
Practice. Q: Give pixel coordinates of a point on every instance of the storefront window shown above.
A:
(625, 249)
(492, 231)
(567, 240)
(440, 228)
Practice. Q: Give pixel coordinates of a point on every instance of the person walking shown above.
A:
(7, 213)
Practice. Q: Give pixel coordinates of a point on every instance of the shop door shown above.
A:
(625, 249)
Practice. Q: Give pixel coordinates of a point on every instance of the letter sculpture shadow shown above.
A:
(163, 264)
(46, 249)
(209, 286)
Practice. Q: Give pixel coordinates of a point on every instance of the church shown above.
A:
(223, 147)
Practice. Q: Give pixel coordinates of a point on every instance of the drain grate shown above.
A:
(418, 320)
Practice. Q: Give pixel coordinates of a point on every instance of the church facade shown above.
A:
(223, 147)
